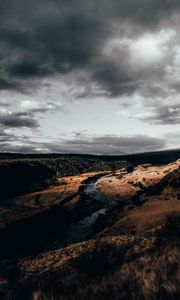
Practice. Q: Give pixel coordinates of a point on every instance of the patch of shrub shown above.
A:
(102, 260)
(172, 227)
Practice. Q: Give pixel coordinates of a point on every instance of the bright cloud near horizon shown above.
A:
(98, 77)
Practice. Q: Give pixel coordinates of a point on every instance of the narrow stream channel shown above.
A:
(82, 229)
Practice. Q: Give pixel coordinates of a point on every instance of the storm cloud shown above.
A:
(54, 53)
(17, 119)
(50, 37)
(112, 145)
(102, 145)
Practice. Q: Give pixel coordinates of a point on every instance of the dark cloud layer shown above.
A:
(97, 44)
(48, 37)
(113, 145)
(162, 114)
(7, 85)
(107, 145)
(17, 119)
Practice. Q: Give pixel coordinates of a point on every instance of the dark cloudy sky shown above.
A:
(89, 76)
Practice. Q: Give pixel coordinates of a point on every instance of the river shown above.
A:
(84, 228)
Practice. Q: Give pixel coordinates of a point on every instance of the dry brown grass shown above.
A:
(124, 185)
(135, 258)
(146, 217)
(119, 268)
(33, 203)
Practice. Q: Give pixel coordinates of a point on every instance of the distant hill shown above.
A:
(157, 157)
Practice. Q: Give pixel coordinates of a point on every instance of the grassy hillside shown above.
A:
(105, 235)
(23, 175)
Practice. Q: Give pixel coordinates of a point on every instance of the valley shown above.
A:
(90, 235)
